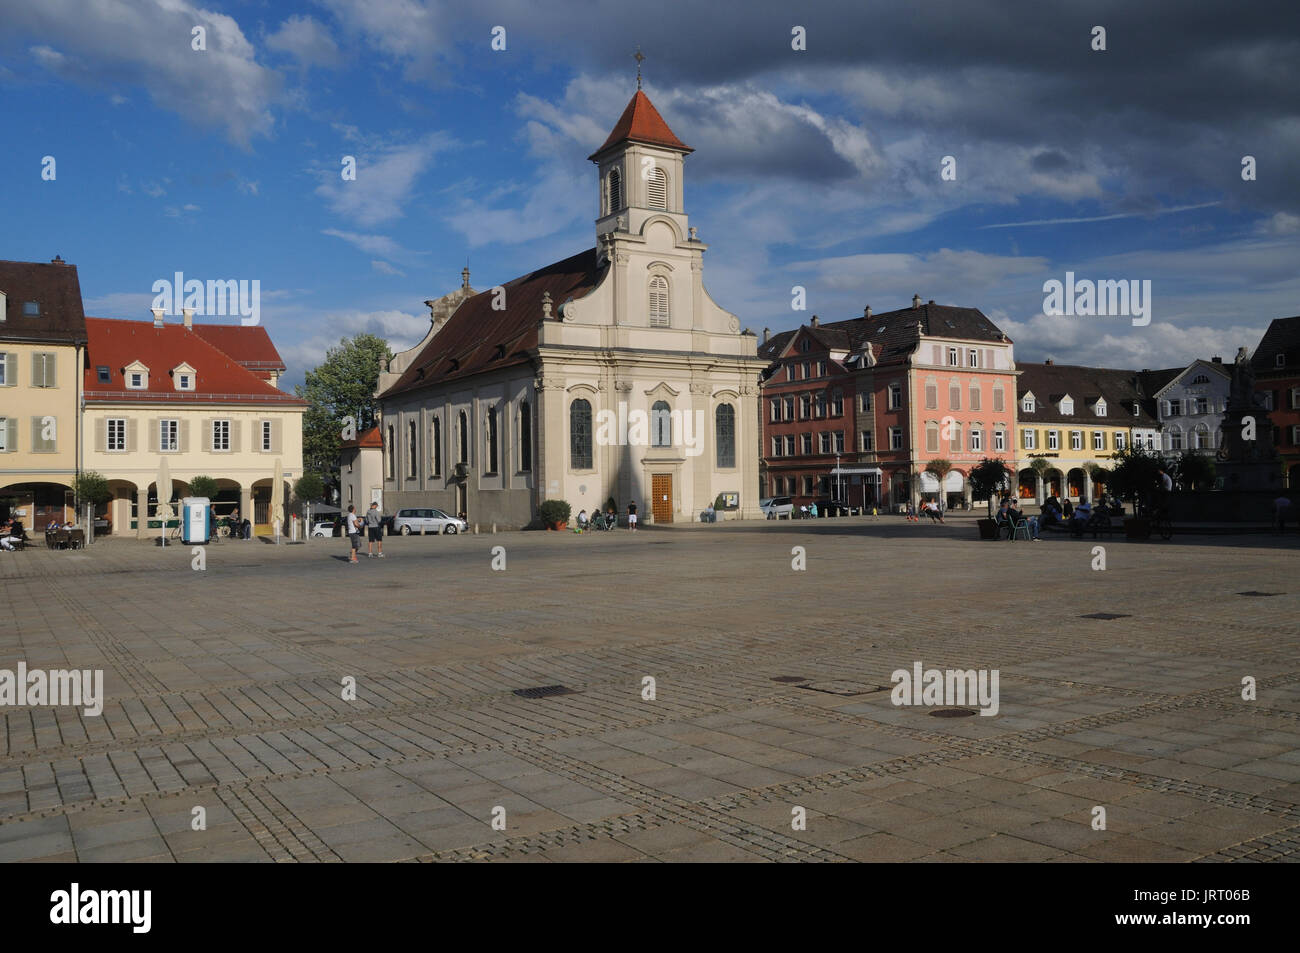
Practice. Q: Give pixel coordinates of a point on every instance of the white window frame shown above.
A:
(268, 436)
(868, 441)
(954, 357)
(895, 438)
(108, 435)
(1120, 441)
(1076, 439)
(221, 428)
(895, 396)
(1030, 438)
(169, 442)
(1053, 440)
(999, 441)
(976, 440)
(1098, 440)
(972, 357)
(1027, 405)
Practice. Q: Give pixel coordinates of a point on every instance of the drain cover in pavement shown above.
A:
(951, 713)
(789, 678)
(844, 688)
(1254, 593)
(544, 691)
(1106, 615)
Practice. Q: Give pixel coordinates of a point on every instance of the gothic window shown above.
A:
(725, 425)
(435, 446)
(492, 440)
(411, 447)
(659, 315)
(580, 435)
(525, 437)
(463, 437)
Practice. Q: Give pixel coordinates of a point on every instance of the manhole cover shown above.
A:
(951, 713)
(844, 688)
(1106, 615)
(789, 678)
(1254, 593)
(544, 691)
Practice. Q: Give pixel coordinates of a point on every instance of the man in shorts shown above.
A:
(375, 531)
(631, 517)
(354, 533)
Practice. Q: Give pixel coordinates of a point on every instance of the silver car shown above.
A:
(777, 507)
(427, 520)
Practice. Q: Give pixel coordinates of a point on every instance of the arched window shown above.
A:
(613, 191)
(1203, 441)
(492, 440)
(659, 314)
(724, 422)
(391, 453)
(580, 435)
(525, 437)
(410, 448)
(435, 447)
(661, 424)
(463, 438)
(657, 189)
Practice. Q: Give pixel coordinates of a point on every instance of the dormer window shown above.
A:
(136, 376)
(1101, 408)
(31, 309)
(1067, 405)
(183, 377)
(102, 373)
(1279, 360)
(1027, 405)
(1200, 379)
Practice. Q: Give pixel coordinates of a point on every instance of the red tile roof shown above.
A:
(55, 288)
(250, 346)
(641, 122)
(217, 376)
(477, 338)
(365, 439)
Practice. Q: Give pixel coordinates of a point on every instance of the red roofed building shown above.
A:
(250, 346)
(156, 391)
(361, 471)
(609, 374)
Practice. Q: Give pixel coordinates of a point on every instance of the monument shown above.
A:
(1247, 459)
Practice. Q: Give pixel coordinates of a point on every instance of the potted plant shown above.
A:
(554, 514)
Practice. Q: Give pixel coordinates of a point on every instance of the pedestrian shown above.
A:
(354, 534)
(631, 517)
(1280, 507)
(812, 509)
(374, 530)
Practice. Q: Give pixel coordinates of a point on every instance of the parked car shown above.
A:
(325, 528)
(777, 507)
(427, 520)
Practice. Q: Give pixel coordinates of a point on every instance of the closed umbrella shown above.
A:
(277, 498)
(164, 496)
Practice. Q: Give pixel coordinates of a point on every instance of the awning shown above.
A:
(848, 471)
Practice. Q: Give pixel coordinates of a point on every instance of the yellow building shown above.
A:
(42, 337)
(1074, 418)
(158, 391)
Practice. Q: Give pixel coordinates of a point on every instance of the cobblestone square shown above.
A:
(224, 689)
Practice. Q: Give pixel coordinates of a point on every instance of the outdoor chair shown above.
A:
(1022, 527)
(1101, 523)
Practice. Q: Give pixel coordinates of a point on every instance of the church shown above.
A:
(611, 374)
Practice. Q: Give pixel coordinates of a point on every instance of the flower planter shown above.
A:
(988, 528)
(1137, 528)
(561, 527)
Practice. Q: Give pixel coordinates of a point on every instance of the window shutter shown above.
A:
(276, 427)
(937, 351)
(132, 435)
(154, 443)
(101, 438)
(37, 443)
(183, 439)
(1164, 408)
(11, 369)
(234, 436)
(51, 369)
(38, 372)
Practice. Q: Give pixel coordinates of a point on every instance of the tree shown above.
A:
(343, 385)
(309, 488)
(988, 477)
(204, 486)
(940, 468)
(1194, 471)
(91, 487)
(1136, 474)
(1040, 468)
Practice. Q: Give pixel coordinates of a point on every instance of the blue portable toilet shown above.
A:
(194, 519)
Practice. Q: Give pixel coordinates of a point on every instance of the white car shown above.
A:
(323, 528)
(427, 520)
(777, 507)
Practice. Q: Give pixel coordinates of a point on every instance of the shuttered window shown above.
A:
(659, 315)
(221, 435)
(657, 189)
(614, 191)
(44, 366)
(116, 434)
(8, 369)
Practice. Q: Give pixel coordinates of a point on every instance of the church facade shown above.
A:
(609, 375)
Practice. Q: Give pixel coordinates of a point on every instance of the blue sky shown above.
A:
(817, 167)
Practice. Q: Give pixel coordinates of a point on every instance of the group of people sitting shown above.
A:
(1055, 513)
(605, 520)
(11, 534)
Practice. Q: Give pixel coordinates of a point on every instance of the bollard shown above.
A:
(494, 529)
(476, 529)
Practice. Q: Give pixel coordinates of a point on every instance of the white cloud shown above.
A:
(146, 43)
(371, 244)
(384, 268)
(307, 40)
(1280, 223)
(555, 202)
(386, 177)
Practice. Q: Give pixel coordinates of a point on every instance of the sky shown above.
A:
(821, 167)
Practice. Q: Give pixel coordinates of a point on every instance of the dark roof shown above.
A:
(1152, 382)
(892, 335)
(477, 338)
(217, 376)
(641, 122)
(1050, 382)
(1282, 337)
(53, 286)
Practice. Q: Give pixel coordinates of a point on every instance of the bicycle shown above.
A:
(1161, 524)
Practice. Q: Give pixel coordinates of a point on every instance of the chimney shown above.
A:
(866, 312)
(189, 317)
(916, 301)
(815, 323)
(931, 301)
(1048, 362)
(57, 260)
(157, 317)
(767, 332)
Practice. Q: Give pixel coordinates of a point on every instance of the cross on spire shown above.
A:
(639, 58)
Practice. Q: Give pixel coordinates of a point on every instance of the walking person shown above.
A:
(354, 533)
(631, 517)
(374, 530)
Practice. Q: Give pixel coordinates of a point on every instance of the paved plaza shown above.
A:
(225, 690)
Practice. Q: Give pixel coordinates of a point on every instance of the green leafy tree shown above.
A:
(343, 385)
(987, 478)
(91, 487)
(1194, 471)
(309, 488)
(1136, 474)
(204, 486)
